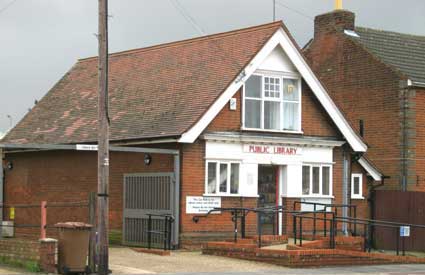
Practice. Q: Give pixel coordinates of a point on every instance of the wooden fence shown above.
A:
(403, 207)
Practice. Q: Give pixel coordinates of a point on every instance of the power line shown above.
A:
(179, 7)
(295, 10)
(7, 6)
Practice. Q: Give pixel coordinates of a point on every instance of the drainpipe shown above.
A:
(345, 182)
(1, 185)
(404, 140)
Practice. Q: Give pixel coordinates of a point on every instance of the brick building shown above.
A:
(251, 123)
(377, 79)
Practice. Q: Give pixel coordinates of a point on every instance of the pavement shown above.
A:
(126, 261)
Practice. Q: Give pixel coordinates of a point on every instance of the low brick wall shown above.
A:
(341, 242)
(22, 251)
(303, 258)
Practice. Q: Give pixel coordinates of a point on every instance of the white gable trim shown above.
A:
(372, 171)
(279, 38)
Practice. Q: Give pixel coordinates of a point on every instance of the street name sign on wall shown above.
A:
(86, 147)
(201, 205)
(272, 149)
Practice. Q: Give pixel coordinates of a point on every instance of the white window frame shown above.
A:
(280, 100)
(320, 194)
(229, 165)
(360, 195)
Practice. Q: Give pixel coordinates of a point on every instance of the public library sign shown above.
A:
(272, 149)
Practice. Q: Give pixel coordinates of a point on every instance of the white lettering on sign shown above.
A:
(86, 147)
(272, 149)
(201, 205)
(404, 231)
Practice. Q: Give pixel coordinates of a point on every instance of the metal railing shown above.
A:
(352, 212)
(367, 224)
(168, 221)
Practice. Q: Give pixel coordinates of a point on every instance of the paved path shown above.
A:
(126, 261)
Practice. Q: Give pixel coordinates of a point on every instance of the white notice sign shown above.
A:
(404, 231)
(201, 205)
(86, 147)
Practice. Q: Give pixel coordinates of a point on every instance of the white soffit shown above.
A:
(370, 169)
(279, 38)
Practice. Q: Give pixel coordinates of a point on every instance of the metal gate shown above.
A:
(148, 193)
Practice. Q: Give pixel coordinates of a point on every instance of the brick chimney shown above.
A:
(335, 21)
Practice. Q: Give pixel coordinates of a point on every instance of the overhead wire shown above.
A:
(7, 6)
(179, 7)
(294, 10)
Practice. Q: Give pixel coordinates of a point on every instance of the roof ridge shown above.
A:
(392, 32)
(190, 40)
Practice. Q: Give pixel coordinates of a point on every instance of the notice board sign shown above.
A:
(404, 231)
(201, 205)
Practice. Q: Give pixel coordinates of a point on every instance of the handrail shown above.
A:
(351, 207)
(168, 221)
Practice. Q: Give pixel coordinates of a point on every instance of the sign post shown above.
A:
(404, 232)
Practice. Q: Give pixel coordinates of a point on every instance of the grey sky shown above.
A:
(41, 39)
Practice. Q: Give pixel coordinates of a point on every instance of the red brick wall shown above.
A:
(193, 184)
(69, 176)
(418, 157)
(363, 88)
(228, 120)
(315, 120)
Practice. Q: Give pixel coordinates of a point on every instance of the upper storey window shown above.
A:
(272, 103)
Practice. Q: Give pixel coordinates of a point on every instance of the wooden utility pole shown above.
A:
(103, 142)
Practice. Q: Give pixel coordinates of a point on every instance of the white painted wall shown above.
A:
(278, 60)
(291, 172)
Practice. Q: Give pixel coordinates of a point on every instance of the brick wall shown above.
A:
(315, 120)
(21, 252)
(365, 89)
(418, 155)
(216, 226)
(69, 176)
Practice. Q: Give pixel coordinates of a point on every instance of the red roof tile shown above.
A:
(157, 91)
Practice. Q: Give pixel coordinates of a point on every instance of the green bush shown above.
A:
(115, 237)
(30, 266)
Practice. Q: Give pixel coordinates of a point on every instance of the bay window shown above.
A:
(316, 180)
(272, 103)
(222, 178)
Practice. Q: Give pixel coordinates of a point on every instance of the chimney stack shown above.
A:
(335, 21)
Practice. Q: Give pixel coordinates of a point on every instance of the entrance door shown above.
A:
(147, 193)
(267, 181)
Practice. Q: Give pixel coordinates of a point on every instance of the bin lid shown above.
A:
(73, 225)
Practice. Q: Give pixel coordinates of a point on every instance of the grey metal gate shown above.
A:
(153, 193)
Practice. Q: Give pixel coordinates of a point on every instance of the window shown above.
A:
(272, 103)
(316, 180)
(222, 178)
(357, 186)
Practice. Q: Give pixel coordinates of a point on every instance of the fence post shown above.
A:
(314, 223)
(92, 241)
(236, 226)
(149, 231)
(355, 220)
(43, 219)
(294, 226)
(324, 225)
(260, 229)
(243, 224)
(301, 231)
(397, 231)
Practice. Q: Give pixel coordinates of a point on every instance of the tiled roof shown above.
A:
(159, 91)
(404, 52)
